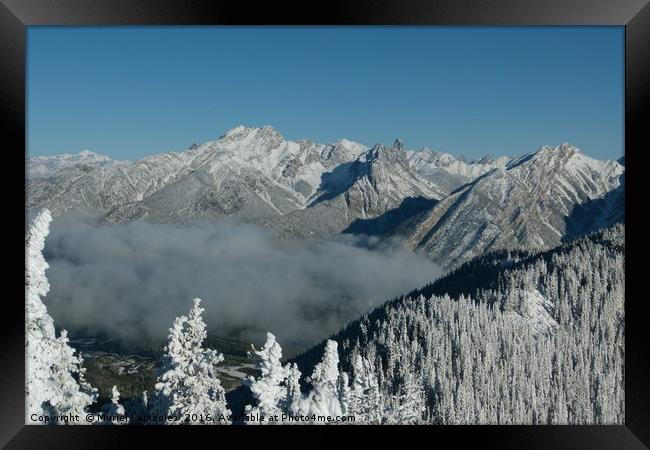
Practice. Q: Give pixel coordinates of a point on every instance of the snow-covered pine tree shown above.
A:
(365, 398)
(323, 399)
(114, 410)
(269, 389)
(188, 390)
(291, 401)
(51, 366)
(408, 406)
(345, 393)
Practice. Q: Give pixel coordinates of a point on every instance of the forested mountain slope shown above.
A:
(507, 338)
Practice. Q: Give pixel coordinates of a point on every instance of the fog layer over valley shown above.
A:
(129, 281)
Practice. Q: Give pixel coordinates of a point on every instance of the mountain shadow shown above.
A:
(390, 220)
(336, 182)
(596, 214)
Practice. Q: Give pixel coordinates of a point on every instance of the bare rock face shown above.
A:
(375, 183)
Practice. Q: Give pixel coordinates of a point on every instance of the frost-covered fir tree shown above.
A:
(408, 406)
(365, 400)
(291, 401)
(188, 388)
(113, 411)
(345, 393)
(269, 389)
(277, 390)
(54, 384)
(323, 399)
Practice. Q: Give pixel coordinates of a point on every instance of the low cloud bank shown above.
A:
(129, 281)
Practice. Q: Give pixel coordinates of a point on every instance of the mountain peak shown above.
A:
(269, 131)
(87, 153)
(398, 144)
(240, 132)
(346, 143)
(564, 149)
(546, 154)
(238, 129)
(237, 133)
(43, 166)
(374, 152)
(83, 156)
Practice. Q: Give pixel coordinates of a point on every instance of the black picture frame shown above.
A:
(634, 15)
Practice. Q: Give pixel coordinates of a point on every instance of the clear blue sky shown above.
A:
(130, 92)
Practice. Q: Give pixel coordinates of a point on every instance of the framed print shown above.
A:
(420, 218)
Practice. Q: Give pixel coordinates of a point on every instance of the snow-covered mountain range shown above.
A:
(45, 166)
(443, 205)
(534, 202)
